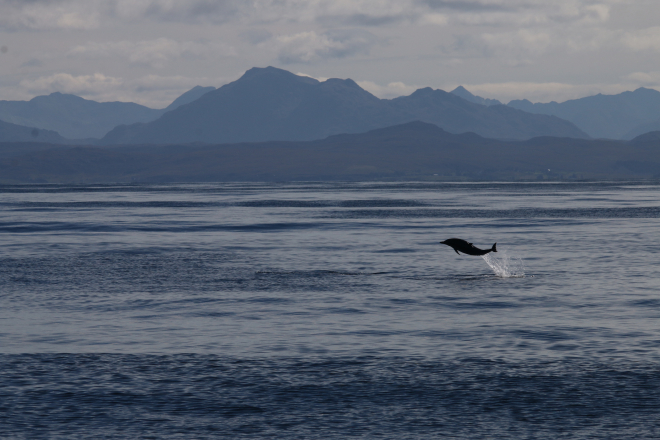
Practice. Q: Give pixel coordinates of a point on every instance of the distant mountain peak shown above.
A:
(271, 69)
(424, 91)
(646, 91)
(460, 90)
(347, 82)
(189, 96)
(268, 103)
(272, 75)
(58, 96)
(465, 94)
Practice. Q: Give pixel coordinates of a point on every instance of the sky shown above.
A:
(151, 51)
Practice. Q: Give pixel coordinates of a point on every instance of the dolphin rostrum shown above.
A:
(467, 248)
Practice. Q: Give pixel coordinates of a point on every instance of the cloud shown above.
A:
(514, 48)
(318, 78)
(334, 13)
(521, 12)
(44, 15)
(151, 90)
(544, 92)
(648, 79)
(471, 5)
(439, 12)
(646, 39)
(443, 12)
(256, 36)
(83, 85)
(479, 40)
(309, 47)
(529, 45)
(159, 91)
(435, 19)
(391, 90)
(591, 39)
(154, 53)
(33, 62)
(90, 14)
(525, 42)
(186, 11)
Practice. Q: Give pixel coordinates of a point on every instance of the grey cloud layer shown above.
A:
(154, 53)
(306, 47)
(86, 14)
(148, 50)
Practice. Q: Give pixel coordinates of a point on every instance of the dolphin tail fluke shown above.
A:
(494, 248)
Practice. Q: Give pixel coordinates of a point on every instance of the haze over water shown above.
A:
(330, 310)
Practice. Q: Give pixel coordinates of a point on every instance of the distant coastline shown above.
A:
(412, 151)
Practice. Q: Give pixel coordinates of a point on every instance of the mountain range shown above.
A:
(272, 104)
(411, 151)
(73, 117)
(622, 116)
(18, 133)
(465, 94)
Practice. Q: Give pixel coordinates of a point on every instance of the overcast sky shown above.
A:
(150, 51)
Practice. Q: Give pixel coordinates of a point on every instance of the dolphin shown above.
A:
(467, 248)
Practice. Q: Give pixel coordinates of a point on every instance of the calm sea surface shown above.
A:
(330, 310)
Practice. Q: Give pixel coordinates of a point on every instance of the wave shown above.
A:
(211, 396)
(170, 226)
(633, 212)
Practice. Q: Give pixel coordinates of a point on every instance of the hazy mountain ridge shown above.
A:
(621, 116)
(274, 104)
(74, 117)
(188, 97)
(498, 121)
(647, 127)
(652, 136)
(411, 151)
(18, 133)
(465, 94)
(265, 104)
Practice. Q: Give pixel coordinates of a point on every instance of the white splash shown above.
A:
(505, 266)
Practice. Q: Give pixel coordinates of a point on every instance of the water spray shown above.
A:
(505, 266)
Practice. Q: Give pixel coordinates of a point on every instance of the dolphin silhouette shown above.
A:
(467, 248)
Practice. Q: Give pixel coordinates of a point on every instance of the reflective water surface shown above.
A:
(330, 310)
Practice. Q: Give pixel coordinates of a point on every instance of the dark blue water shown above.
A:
(330, 311)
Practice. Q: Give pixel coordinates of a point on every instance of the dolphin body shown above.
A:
(467, 248)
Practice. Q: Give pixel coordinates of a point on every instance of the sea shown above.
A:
(330, 310)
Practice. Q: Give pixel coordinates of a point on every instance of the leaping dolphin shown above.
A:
(467, 248)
